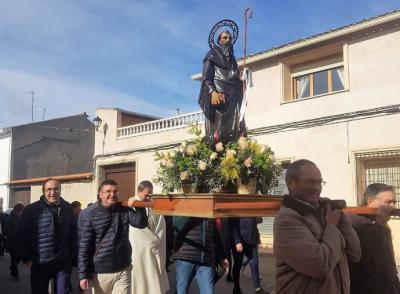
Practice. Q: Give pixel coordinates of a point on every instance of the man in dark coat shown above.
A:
(197, 247)
(104, 254)
(45, 239)
(376, 272)
(221, 93)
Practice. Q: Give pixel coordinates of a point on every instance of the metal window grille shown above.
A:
(266, 227)
(378, 167)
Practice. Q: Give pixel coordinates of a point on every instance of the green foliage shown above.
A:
(199, 167)
(192, 165)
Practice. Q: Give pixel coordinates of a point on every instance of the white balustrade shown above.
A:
(165, 124)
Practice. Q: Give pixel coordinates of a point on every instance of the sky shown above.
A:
(137, 55)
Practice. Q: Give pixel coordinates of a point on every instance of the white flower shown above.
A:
(213, 155)
(163, 162)
(248, 162)
(219, 147)
(202, 165)
(242, 142)
(230, 153)
(190, 150)
(184, 175)
(169, 163)
(264, 148)
(156, 179)
(172, 154)
(184, 144)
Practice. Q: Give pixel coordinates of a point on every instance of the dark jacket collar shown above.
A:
(299, 206)
(109, 209)
(44, 202)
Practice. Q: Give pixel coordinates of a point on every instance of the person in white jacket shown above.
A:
(149, 250)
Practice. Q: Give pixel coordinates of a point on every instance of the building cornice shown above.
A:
(62, 178)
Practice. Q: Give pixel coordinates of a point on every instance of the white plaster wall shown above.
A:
(373, 82)
(5, 162)
(108, 142)
(329, 148)
(82, 192)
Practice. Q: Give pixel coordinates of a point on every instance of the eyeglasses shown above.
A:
(110, 192)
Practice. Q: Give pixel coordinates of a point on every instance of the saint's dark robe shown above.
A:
(221, 74)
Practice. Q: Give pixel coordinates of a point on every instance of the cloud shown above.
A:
(61, 97)
(136, 54)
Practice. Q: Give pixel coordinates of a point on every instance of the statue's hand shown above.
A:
(215, 98)
(221, 98)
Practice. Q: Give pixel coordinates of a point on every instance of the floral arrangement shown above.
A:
(196, 167)
(245, 160)
(193, 167)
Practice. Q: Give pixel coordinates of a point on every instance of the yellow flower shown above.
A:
(230, 153)
(213, 155)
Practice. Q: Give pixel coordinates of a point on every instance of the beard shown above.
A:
(227, 50)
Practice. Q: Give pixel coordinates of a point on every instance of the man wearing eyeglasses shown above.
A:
(313, 243)
(376, 272)
(45, 238)
(104, 254)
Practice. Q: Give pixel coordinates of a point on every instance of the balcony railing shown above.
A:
(161, 125)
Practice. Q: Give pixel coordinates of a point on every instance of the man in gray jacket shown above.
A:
(312, 242)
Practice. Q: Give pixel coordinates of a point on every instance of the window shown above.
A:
(266, 227)
(281, 188)
(378, 167)
(314, 72)
(318, 83)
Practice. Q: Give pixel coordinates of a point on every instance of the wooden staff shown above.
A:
(247, 14)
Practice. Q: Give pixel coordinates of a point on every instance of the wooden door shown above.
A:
(125, 175)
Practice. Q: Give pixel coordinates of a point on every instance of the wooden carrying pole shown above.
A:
(226, 205)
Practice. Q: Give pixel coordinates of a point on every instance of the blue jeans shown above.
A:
(186, 271)
(251, 252)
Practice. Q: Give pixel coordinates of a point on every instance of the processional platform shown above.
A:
(215, 205)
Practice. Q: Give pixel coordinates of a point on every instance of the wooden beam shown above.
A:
(212, 205)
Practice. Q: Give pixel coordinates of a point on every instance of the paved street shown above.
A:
(8, 286)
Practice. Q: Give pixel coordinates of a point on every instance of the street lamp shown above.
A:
(97, 121)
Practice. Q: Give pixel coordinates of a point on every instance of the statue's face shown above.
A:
(225, 38)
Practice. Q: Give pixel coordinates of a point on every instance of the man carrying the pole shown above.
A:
(376, 272)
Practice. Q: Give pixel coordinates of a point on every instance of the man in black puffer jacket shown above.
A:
(197, 247)
(44, 238)
(104, 254)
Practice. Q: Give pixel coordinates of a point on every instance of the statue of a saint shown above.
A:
(221, 93)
